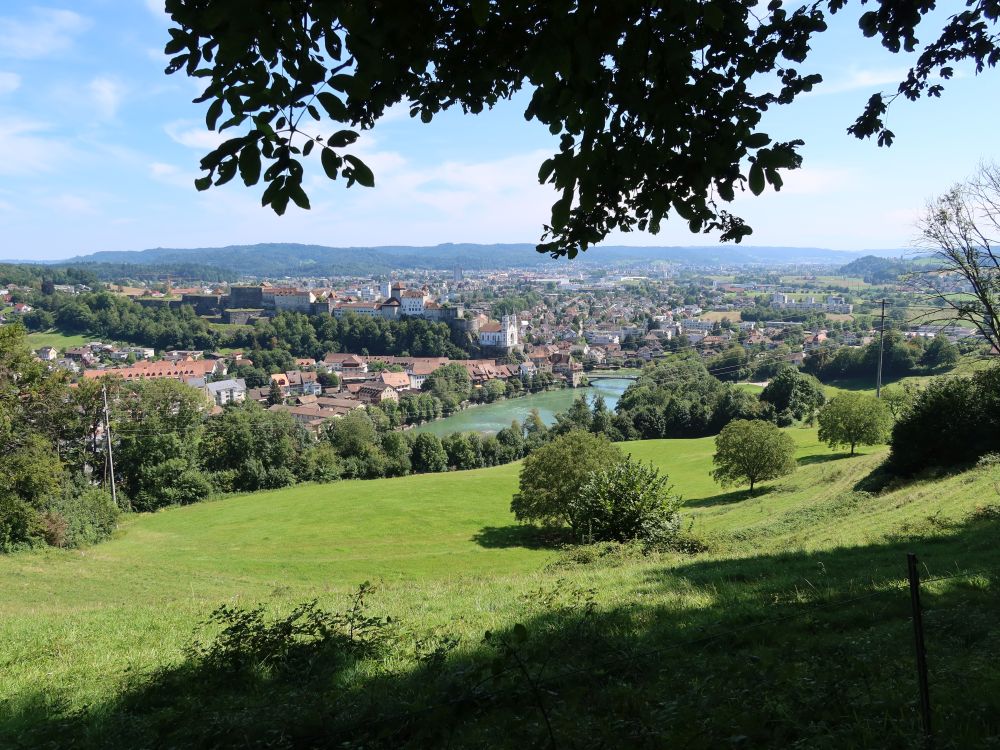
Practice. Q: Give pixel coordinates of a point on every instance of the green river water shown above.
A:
(491, 418)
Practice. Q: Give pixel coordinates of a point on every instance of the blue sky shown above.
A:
(98, 151)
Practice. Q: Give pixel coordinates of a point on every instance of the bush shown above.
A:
(83, 514)
(248, 642)
(952, 423)
(626, 501)
(20, 524)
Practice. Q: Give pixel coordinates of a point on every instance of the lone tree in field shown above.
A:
(854, 419)
(553, 476)
(657, 106)
(961, 231)
(750, 451)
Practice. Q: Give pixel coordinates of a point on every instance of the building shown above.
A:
(232, 391)
(502, 335)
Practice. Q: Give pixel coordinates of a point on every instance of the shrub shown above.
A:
(626, 501)
(248, 641)
(953, 422)
(85, 514)
(19, 523)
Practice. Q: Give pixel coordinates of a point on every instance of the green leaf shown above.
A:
(298, 195)
(756, 140)
(271, 191)
(250, 163)
(560, 209)
(342, 138)
(331, 163)
(546, 170)
(333, 106)
(756, 179)
(360, 171)
(480, 11)
(213, 114)
(203, 183)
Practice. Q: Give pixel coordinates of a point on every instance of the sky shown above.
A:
(99, 150)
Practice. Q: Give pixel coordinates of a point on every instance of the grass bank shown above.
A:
(789, 627)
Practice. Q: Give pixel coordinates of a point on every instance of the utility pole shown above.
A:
(881, 338)
(107, 435)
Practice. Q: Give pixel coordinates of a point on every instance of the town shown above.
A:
(519, 331)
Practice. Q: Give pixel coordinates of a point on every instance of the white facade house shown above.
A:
(233, 391)
(294, 300)
(502, 335)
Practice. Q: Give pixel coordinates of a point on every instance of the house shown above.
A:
(349, 364)
(398, 380)
(232, 391)
(295, 383)
(183, 370)
(48, 354)
(502, 335)
(374, 393)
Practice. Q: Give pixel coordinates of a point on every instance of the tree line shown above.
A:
(162, 326)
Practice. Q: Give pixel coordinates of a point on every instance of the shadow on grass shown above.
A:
(822, 458)
(791, 649)
(521, 535)
(727, 498)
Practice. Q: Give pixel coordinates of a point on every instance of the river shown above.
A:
(491, 418)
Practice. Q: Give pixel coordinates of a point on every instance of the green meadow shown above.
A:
(56, 339)
(785, 622)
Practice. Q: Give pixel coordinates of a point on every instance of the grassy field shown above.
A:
(57, 339)
(804, 580)
(719, 315)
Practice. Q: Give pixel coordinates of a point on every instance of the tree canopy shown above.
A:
(656, 105)
(750, 451)
(854, 419)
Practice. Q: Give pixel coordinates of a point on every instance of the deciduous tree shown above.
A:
(751, 451)
(854, 419)
(657, 106)
(553, 475)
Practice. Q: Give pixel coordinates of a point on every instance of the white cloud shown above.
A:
(106, 94)
(860, 78)
(46, 32)
(9, 82)
(170, 174)
(69, 203)
(156, 7)
(816, 180)
(27, 149)
(194, 135)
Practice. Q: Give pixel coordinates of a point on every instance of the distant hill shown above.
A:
(875, 270)
(287, 259)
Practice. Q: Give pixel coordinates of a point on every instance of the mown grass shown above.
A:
(82, 633)
(56, 339)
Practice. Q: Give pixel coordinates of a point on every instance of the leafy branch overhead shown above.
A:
(656, 104)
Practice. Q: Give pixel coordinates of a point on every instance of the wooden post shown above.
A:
(918, 634)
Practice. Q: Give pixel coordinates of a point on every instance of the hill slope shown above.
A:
(289, 259)
(804, 581)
